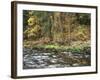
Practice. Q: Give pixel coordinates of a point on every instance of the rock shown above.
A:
(75, 64)
(67, 65)
(44, 57)
(54, 56)
(40, 59)
(51, 66)
(87, 56)
(53, 61)
(46, 54)
(68, 53)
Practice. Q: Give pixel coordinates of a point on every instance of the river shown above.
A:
(35, 59)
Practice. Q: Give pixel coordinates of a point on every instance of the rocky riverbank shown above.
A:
(38, 58)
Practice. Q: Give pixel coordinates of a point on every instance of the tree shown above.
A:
(34, 30)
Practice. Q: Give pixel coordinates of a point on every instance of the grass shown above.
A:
(75, 47)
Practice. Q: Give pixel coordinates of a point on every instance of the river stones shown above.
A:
(35, 59)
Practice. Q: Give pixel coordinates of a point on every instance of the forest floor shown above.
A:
(56, 56)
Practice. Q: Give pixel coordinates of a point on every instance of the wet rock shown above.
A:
(46, 54)
(75, 64)
(51, 66)
(54, 56)
(68, 53)
(34, 59)
(53, 61)
(87, 56)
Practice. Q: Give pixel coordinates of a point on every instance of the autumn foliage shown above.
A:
(62, 28)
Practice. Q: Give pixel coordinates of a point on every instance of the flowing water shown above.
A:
(35, 59)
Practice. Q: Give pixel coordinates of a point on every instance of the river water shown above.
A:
(35, 59)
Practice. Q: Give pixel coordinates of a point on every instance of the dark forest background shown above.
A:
(56, 39)
(56, 29)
